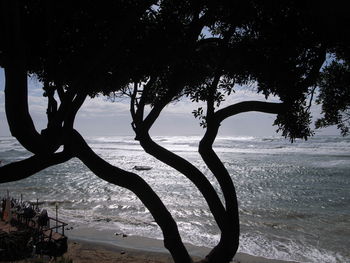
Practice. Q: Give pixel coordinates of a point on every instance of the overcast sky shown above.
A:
(99, 117)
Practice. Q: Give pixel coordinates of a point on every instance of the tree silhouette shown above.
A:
(157, 52)
(276, 47)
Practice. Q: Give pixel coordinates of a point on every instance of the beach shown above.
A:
(81, 252)
(93, 245)
(90, 245)
(91, 252)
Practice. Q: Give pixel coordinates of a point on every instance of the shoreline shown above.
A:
(91, 245)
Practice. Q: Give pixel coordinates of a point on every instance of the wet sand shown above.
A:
(88, 245)
(87, 252)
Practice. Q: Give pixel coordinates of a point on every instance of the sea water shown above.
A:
(294, 199)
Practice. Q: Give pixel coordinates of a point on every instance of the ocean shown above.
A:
(294, 198)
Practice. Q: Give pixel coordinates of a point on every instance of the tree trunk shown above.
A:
(190, 171)
(226, 248)
(231, 237)
(134, 183)
(16, 90)
(214, 163)
(25, 168)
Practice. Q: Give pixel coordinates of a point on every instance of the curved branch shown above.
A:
(66, 103)
(133, 182)
(16, 90)
(73, 109)
(133, 101)
(222, 175)
(213, 162)
(246, 106)
(19, 120)
(137, 105)
(22, 169)
(152, 116)
(219, 252)
(176, 86)
(190, 171)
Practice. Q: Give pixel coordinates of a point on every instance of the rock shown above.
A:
(142, 168)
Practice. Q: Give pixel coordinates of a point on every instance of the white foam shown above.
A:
(284, 249)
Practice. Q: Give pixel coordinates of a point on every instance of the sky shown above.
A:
(100, 117)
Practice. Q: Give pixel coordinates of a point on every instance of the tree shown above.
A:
(278, 48)
(203, 49)
(285, 64)
(78, 40)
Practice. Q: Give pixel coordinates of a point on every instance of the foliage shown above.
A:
(335, 96)
(81, 42)
(183, 47)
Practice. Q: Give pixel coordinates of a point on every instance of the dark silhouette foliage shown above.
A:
(334, 95)
(157, 52)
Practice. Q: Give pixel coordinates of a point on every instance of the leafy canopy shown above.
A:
(200, 49)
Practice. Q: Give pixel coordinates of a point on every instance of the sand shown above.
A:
(86, 252)
(89, 245)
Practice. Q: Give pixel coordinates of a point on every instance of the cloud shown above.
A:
(101, 116)
(35, 87)
(37, 104)
(184, 106)
(100, 106)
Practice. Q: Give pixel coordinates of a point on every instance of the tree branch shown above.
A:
(176, 86)
(140, 106)
(220, 253)
(133, 182)
(312, 93)
(315, 69)
(246, 106)
(73, 109)
(16, 90)
(133, 102)
(203, 185)
(22, 169)
(215, 165)
(222, 175)
(190, 171)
